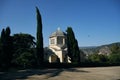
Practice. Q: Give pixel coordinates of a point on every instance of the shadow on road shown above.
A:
(24, 74)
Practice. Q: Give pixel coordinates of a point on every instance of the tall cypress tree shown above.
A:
(39, 44)
(6, 48)
(2, 36)
(72, 44)
(9, 46)
(2, 43)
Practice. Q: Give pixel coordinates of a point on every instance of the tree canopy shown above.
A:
(39, 35)
(72, 44)
(6, 45)
(24, 54)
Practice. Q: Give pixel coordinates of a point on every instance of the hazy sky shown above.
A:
(95, 22)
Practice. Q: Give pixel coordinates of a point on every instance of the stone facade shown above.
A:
(57, 44)
(57, 49)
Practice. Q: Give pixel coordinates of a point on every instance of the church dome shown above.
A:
(58, 33)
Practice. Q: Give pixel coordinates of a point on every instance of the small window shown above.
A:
(60, 40)
(52, 41)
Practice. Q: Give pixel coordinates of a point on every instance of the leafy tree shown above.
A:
(93, 58)
(115, 48)
(39, 44)
(72, 44)
(24, 54)
(23, 41)
(103, 58)
(25, 59)
(97, 58)
(114, 58)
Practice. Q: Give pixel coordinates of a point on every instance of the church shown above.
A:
(57, 47)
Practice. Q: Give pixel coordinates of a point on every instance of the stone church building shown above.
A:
(57, 50)
(57, 47)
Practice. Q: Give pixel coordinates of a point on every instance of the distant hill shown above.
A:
(99, 49)
(89, 50)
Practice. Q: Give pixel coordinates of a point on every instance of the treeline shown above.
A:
(16, 50)
(21, 50)
(112, 58)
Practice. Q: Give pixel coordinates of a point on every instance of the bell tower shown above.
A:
(57, 38)
(57, 43)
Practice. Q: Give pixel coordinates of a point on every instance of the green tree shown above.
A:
(24, 54)
(93, 58)
(115, 48)
(98, 58)
(114, 58)
(9, 46)
(6, 48)
(2, 47)
(39, 44)
(72, 44)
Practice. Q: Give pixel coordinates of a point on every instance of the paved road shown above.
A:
(98, 73)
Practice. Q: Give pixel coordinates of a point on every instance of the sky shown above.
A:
(94, 22)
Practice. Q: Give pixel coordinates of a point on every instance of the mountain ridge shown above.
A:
(96, 49)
